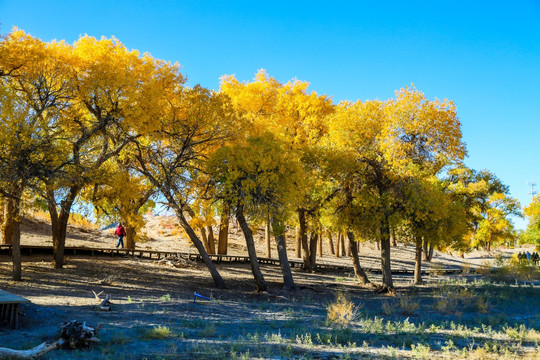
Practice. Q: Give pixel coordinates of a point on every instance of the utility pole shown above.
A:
(532, 184)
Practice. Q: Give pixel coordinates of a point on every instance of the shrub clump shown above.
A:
(342, 312)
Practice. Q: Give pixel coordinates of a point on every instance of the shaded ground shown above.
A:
(154, 316)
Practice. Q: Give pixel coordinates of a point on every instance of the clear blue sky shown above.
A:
(483, 55)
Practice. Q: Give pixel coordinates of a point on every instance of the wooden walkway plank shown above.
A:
(9, 307)
(156, 254)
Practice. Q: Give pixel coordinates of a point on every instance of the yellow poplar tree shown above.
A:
(33, 92)
(296, 118)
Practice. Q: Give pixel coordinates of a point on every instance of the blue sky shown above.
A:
(483, 55)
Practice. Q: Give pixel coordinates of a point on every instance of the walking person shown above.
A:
(120, 232)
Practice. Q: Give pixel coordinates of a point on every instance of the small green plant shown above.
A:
(341, 312)
(165, 297)
(274, 337)
(420, 351)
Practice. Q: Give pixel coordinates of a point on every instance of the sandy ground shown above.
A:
(164, 233)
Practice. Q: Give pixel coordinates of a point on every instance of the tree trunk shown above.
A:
(320, 245)
(204, 240)
(342, 244)
(59, 223)
(248, 235)
(393, 237)
(303, 238)
(418, 262)
(331, 243)
(349, 247)
(211, 240)
(313, 240)
(426, 252)
(16, 242)
(279, 229)
(385, 255)
(129, 239)
(7, 225)
(358, 271)
(223, 231)
(267, 239)
(338, 242)
(218, 280)
(430, 252)
(298, 243)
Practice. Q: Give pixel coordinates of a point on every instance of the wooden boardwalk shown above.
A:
(157, 255)
(9, 307)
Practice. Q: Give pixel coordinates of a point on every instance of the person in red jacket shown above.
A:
(120, 232)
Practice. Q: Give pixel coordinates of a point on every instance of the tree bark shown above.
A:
(338, 242)
(331, 243)
(385, 255)
(288, 282)
(308, 266)
(418, 262)
(223, 237)
(298, 243)
(7, 225)
(349, 254)
(426, 252)
(358, 270)
(248, 235)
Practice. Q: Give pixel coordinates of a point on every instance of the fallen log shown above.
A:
(33, 353)
(74, 335)
(105, 303)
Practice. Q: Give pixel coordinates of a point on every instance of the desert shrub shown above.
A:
(208, 331)
(341, 312)
(158, 332)
(454, 301)
(512, 269)
(389, 307)
(485, 268)
(447, 303)
(408, 305)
